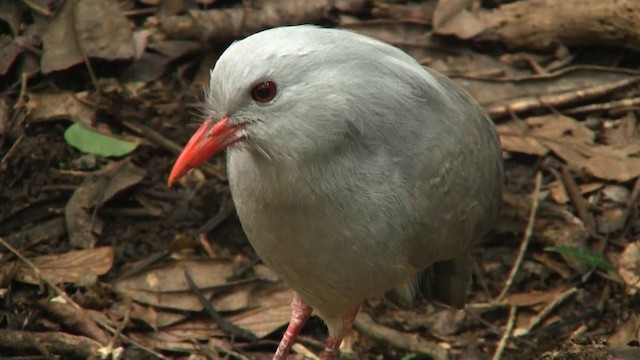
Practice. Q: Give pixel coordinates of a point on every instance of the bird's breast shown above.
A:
(332, 234)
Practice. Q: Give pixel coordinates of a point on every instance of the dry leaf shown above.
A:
(621, 132)
(533, 297)
(96, 189)
(167, 287)
(179, 339)
(627, 333)
(574, 143)
(451, 17)
(56, 106)
(629, 267)
(68, 267)
(273, 311)
(559, 194)
(82, 23)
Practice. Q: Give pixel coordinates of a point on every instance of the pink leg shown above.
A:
(300, 313)
(332, 346)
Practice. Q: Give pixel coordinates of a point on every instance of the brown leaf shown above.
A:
(273, 311)
(59, 47)
(559, 194)
(109, 40)
(574, 143)
(514, 138)
(56, 106)
(181, 338)
(451, 17)
(607, 168)
(167, 287)
(99, 27)
(94, 191)
(627, 333)
(69, 267)
(629, 267)
(10, 49)
(532, 297)
(621, 132)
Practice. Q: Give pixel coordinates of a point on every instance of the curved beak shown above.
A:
(210, 138)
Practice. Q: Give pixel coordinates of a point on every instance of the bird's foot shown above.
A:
(332, 346)
(300, 313)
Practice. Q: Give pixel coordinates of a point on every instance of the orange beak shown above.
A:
(208, 140)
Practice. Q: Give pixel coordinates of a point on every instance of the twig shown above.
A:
(141, 12)
(618, 105)
(224, 325)
(12, 150)
(206, 245)
(20, 103)
(226, 209)
(546, 311)
(529, 103)
(580, 204)
(526, 237)
(85, 58)
(37, 8)
(507, 333)
(111, 347)
(306, 353)
(366, 325)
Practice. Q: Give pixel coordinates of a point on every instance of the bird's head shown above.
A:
(291, 93)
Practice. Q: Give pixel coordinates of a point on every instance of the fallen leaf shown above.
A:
(180, 339)
(626, 334)
(612, 219)
(92, 142)
(451, 17)
(81, 25)
(533, 297)
(68, 267)
(621, 132)
(629, 267)
(57, 106)
(584, 256)
(574, 143)
(559, 194)
(273, 310)
(11, 49)
(166, 286)
(96, 189)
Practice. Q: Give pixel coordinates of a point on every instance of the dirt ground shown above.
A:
(99, 256)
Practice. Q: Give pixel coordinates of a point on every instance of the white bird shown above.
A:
(355, 171)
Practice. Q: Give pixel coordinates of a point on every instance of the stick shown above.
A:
(507, 333)
(526, 237)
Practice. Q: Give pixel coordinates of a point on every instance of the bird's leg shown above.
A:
(332, 346)
(300, 313)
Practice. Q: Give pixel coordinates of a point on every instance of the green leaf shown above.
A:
(583, 256)
(92, 142)
(411, 356)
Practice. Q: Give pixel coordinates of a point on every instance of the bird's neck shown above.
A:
(296, 182)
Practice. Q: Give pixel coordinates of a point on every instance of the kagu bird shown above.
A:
(355, 171)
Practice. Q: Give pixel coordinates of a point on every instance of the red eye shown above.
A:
(264, 92)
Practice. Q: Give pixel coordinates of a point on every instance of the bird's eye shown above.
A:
(264, 91)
